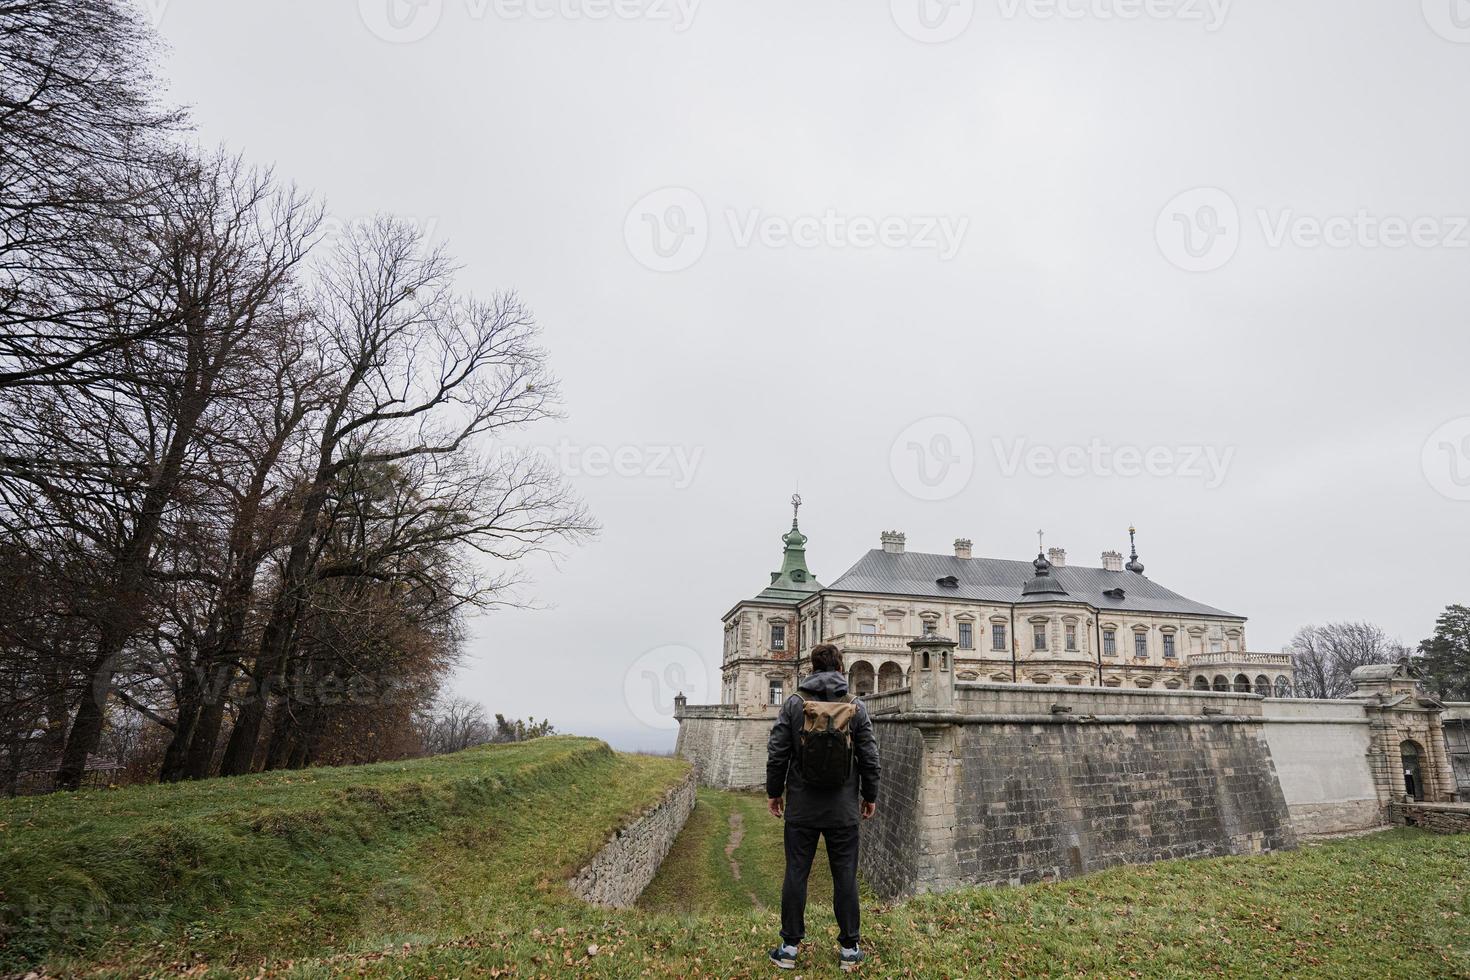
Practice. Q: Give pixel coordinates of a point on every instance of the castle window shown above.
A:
(777, 692)
(930, 627)
(868, 629)
(1217, 645)
(998, 637)
(778, 636)
(1071, 638)
(967, 637)
(1169, 646)
(1140, 644)
(1110, 643)
(1038, 636)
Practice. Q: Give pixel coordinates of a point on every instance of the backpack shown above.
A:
(825, 760)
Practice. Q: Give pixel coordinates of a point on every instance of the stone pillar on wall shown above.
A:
(931, 691)
(931, 673)
(939, 777)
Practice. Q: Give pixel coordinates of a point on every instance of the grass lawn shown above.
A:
(454, 867)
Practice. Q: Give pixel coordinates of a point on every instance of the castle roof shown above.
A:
(794, 582)
(1002, 580)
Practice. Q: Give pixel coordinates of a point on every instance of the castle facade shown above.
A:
(1038, 622)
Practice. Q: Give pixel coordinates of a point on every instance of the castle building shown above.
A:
(1039, 622)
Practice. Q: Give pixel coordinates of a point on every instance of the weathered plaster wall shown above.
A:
(619, 872)
(1022, 784)
(726, 746)
(1321, 751)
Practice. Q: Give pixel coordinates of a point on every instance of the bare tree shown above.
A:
(455, 724)
(421, 374)
(77, 117)
(1325, 656)
(216, 259)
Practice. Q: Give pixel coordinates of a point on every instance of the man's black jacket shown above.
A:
(807, 807)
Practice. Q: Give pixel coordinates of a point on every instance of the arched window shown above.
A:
(860, 677)
(1201, 683)
(890, 677)
(1263, 686)
(1242, 684)
(1283, 687)
(1221, 684)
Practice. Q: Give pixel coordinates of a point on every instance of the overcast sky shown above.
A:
(964, 269)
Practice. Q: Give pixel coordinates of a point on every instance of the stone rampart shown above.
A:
(726, 745)
(1017, 784)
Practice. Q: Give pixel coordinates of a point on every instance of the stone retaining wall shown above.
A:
(1441, 818)
(619, 872)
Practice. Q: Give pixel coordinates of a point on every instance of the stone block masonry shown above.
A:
(619, 872)
(1441, 818)
(971, 798)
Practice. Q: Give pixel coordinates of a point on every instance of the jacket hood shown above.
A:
(828, 685)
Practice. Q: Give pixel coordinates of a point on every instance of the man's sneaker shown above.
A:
(850, 959)
(784, 957)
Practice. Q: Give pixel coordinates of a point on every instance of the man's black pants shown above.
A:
(842, 857)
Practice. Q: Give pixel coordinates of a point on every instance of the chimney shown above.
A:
(962, 547)
(1112, 561)
(1057, 557)
(893, 542)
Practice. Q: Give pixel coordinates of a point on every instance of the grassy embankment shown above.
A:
(454, 867)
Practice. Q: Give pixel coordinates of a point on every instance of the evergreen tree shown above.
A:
(1444, 658)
